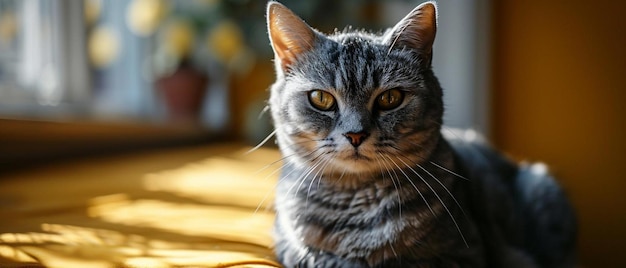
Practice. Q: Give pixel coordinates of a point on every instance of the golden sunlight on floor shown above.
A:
(200, 207)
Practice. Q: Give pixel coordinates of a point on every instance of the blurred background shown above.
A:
(543, 80)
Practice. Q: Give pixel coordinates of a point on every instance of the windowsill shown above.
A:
(24, 143)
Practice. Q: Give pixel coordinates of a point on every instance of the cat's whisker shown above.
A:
(329, 160)
(273, 163)
(319, 172)
(388, 167)
(389, 170)
(276, 169)
(345, 168)
(305, 140)
(380, 163)
(413, 184)
(432, 189)
(310, 170)
(270, 191)
(447, 129)
(435, 178)
(449, 171)
(283, 160)
(332, 171)
(308, 191)
(446, 189)
(261, 202)
(438, 197)
(300, 179)
(262, 142)
(393, 250)
(266, 109)
(289, 174)
(286, 157)
(435, 164)
(272, 174)
(303, 179)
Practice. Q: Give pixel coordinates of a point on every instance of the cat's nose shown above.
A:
(356, 138)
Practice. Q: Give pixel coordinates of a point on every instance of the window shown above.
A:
(82, 59)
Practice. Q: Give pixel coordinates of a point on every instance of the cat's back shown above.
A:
(519, 205)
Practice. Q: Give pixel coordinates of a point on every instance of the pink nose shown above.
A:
(356, 138)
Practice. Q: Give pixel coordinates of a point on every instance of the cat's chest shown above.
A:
(336, 219)
(369, 197)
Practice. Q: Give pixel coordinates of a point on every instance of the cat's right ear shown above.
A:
(290, 36)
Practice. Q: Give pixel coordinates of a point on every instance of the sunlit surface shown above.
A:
(230, 181)
(127, 212)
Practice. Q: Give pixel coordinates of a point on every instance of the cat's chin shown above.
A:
(360, 168)
(355, 164)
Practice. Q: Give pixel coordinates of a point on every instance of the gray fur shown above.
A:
(412, 194)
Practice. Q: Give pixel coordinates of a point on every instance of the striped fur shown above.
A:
(411, 194)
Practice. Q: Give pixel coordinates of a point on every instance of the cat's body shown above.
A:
(370, 178)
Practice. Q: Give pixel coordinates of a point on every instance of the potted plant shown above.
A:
(186, 37)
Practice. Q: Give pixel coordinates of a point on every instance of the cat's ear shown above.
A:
(416, 31)
(290, 36)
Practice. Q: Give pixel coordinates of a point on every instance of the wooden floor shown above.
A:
(194, 206)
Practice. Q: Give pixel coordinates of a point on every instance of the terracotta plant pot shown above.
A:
(183, 93)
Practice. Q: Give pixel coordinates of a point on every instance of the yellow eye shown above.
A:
(321, 100)
(390, 99)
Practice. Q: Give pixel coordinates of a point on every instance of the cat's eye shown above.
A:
(389, 99)
(321, 100)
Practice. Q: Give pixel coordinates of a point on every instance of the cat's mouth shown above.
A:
(355, 162)
(357, 156)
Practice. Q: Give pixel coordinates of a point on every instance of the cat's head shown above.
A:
(355, 102)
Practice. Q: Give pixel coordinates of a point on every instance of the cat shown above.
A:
(371, 178)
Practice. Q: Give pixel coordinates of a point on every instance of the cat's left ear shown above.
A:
(289, 34)
(416, 31)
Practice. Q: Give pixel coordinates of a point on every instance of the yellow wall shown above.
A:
(559, 95)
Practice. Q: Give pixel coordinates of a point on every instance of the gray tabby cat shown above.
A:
(370, 179)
